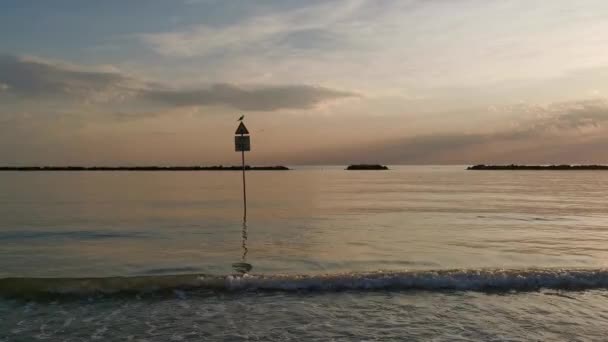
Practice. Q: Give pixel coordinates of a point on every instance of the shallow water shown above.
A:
(526, 253)
(343, 316)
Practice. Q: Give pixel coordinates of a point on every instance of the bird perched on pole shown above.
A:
(241, 118)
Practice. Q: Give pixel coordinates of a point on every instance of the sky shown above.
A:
(161, 82)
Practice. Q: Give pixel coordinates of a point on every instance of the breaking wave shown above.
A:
(484, 280)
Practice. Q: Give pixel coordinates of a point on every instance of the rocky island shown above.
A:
(143, 168)
(538, 167)
(367, 167)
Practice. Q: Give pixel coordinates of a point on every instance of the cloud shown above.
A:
(264, 98)
(30, 78)
(558, 117)
(390, 47)
(562, 126)
(311, 25)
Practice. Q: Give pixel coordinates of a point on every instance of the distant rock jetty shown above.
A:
(143, 168)
(538, 167)
(367, 167)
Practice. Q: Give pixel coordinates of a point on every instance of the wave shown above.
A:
(484, 280)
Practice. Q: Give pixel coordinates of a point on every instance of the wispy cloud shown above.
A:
(394, 45)
(254, 32)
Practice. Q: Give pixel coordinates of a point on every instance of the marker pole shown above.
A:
(244, 187)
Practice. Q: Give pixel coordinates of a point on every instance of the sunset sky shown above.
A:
(118, 82)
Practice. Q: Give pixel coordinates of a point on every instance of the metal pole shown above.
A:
(244, 187)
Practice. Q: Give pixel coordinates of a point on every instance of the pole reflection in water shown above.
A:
(243, 267)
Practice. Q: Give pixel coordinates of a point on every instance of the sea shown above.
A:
(415, 253)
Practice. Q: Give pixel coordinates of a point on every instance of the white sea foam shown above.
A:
(431, 280)
(463, 280)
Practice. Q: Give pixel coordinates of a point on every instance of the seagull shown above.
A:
(241, 118)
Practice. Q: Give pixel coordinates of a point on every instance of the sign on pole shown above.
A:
(242, 143)
(241, 129)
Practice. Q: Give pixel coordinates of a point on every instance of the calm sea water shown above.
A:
(419, 253)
